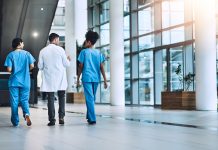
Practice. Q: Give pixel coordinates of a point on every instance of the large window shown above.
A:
(127, 46)
(176, 62)
(174, 35)
(145, 20)
(104, 34)
(126, 6)
(59, 19)
(127, 92)
(172, 13)
(106, 52)
(126, 27)
(163, 70)
(146, 77)
(146, 91)
(142, 3)
(127, 67)
(146, 64)
(104, 12)
(105, 93)
(156, 40)
(146, 42)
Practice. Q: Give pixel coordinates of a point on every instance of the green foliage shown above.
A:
(187, 79)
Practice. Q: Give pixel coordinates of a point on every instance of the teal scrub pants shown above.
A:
(90, 89)
(19, 95)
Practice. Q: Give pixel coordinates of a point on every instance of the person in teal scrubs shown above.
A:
(18, 63)
(90, 65)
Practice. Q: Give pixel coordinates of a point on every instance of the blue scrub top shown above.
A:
(91, 60)
(20, 62)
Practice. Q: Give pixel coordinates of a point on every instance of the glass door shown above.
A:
(160, 74)
(176, 68)
(167, 62)
(146, 78)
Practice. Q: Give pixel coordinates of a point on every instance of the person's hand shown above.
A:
(105, 84)
(78, 84)
(68, 57)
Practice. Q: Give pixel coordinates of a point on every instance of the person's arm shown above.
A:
(8, 63)
(40, 62)
(81, 59)
(103, 74)
(31, 66)
(31, 61)
(80, 69)
(65, 59)
(9, 69)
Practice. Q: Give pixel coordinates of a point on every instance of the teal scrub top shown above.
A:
(91, 60)
(20, 62)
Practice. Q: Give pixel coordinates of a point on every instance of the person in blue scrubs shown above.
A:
(90, 65)
(18, 63)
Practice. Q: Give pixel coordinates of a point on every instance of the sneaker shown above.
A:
(28, 121)
(51, 123)
(16, 126)
(91, 122)
(61, 121)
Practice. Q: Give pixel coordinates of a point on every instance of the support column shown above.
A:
(205, 54)
(117, 96)
(158, 55)
(81, 21)
(70, 42)
(74, 32)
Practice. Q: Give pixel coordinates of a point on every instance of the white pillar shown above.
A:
(81, 21)
(70, 42)
(117, 95)
(75, 29)
(205, 54)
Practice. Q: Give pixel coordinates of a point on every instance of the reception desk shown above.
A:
(4, 91)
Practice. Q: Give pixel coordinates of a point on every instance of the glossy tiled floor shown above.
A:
(117, 128)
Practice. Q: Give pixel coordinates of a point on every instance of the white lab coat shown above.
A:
(53, 62)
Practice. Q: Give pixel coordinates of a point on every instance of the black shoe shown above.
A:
(91, 122)
(61, 121)
(51, 123)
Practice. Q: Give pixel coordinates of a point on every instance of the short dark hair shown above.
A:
(53, 36)
(16, 42)
(92, 36)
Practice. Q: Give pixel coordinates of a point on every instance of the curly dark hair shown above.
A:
(16, 42)
(92, 37)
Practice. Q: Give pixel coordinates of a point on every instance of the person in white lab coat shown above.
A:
(53, 62)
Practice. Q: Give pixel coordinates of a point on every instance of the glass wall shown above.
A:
(158, 38)
(172, 12)
(58, 24)
(176, 64)
(59, 19)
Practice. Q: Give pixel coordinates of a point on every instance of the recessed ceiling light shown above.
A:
(35, 34)
(42, 9)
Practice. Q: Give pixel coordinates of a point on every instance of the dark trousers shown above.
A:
(44, 95)
(51, 107)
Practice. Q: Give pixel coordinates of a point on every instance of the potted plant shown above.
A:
(183, 97)
(187, 79)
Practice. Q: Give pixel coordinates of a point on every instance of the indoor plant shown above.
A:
(183, 97)
(187, 79)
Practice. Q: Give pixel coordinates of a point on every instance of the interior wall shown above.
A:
(21, 19)
(11, 11)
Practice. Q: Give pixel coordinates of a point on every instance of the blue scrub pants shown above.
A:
(19, 95)
(90, 89)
